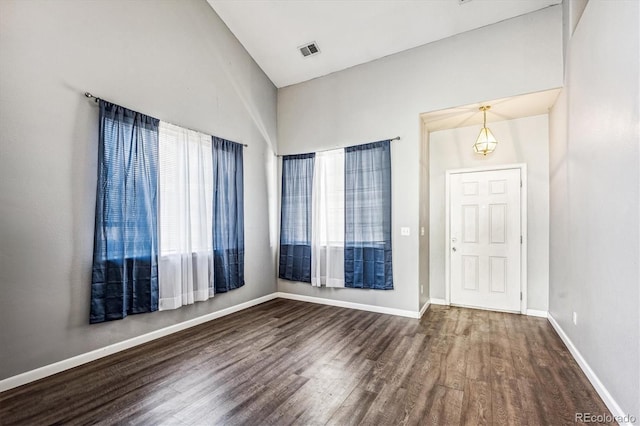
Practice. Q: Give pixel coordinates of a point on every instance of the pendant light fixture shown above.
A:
(486, 142)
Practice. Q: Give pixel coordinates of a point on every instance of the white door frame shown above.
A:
(523, 227)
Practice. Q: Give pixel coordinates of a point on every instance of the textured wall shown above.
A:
(174, 60)
(595, 199)
(384, 98)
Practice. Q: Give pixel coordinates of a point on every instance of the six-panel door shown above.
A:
(485, 239)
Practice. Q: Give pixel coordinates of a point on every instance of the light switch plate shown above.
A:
(405, 231)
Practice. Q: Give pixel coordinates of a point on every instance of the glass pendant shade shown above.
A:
(486, 142)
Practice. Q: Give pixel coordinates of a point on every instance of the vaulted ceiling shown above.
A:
(352, 32)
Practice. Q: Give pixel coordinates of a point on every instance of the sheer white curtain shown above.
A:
(185, 273)
(327, 229)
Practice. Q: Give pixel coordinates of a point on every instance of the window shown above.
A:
(186, 195)
(186, 190)
(169, 227)
(335, 227)
(327, 235)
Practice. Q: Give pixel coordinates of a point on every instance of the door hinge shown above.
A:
(521, 183)
(520, 239)
(520, 295)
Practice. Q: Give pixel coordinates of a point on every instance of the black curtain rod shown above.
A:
(397, 138)
(96, 99)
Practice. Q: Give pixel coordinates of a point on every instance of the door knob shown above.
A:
(453, 248)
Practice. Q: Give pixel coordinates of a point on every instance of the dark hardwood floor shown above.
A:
(287, 362)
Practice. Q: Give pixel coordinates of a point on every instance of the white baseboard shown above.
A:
(591, 375)
(351, 305)
(537, 313)
(66, 364)
(57, 367)
(424, 308)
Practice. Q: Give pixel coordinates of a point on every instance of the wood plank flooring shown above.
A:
(288, 362)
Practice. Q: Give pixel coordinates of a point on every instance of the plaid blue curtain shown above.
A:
(367, 254)
(295, 220)
(125, 255)
(228, 215)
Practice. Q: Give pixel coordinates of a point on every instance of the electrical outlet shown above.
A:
(405, 231)
(422, 231)
(421, 289)
(575, 318)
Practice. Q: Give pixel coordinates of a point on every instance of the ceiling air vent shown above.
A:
(309, 49)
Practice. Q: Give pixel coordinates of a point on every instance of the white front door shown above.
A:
(485, 239)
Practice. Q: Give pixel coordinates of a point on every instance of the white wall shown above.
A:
(174, 60)
(595, 200)
(571, 12)
(384, 98)
(524, 140)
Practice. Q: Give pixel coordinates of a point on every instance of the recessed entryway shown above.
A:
(521, 126)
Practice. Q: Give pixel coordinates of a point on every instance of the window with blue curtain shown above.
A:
(228, 215)
(367, 254)
(125, 257)
(295, 217)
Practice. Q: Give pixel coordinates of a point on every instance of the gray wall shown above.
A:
(174, 60)
(595, 200)
(384, 98)
(424, 232)
(524, 140)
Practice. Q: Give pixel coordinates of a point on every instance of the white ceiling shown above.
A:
(351, 32)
